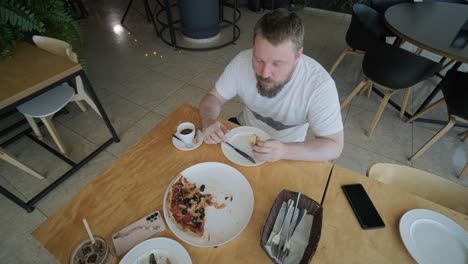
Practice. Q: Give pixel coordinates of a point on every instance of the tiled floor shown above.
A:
(138, 91)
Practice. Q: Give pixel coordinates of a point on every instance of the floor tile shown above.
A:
(188, 94)
(122, 113)
(446, 157)
(392, 137)
(358, 159)
(64, 192)
(135, 133)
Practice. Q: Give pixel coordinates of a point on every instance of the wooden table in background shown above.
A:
(134, 185)
(343, 240)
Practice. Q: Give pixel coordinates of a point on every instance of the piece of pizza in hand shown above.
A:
(254, 139)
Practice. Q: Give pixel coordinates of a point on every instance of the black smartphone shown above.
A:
(362, 206)
(461, 39)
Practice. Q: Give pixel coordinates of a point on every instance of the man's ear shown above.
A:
(298, 54)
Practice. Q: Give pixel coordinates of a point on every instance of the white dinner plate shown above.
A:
(433, 238)
(162, 248)
(181, 146)
(221, 225)
(240, 138)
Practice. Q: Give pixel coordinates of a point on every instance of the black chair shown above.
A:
(392, 69)
(454, 88)
(366, 25)
(382, 5)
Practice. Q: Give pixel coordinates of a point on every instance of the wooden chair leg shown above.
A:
(464, 135)
(34, 126)
(464, 172)
(53, 132)
(405, 102)
(82, 95)
(81, 106)
(436, 137)
(425, 110)
(4, 155)
(342, 54)
(364, 89)
(446, 65)
(354, 92)
(369, 91)
(379, 113)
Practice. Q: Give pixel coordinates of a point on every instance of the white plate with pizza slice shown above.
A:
(208, 204)
(241, 138)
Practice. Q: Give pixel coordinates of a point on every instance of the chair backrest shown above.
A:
(396, 68)
(366, 25)
(423, 184)
(455, 89)
(55, 46)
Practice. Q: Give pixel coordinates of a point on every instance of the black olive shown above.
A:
(196, 211)
(186, 200)
(198, 224)
(184, 212)
(179, 201)
(225, 198)
(202, 215)
(202, 188)
(180, 184)
(195, 220)
(202, 210)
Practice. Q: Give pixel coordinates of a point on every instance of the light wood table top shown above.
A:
(134, 185)
(29, 70)
(343, 240)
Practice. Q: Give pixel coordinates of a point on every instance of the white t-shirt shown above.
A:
(308, 99)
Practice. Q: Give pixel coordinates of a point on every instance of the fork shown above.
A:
(275, 242)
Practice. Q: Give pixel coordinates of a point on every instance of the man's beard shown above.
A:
(275, 87)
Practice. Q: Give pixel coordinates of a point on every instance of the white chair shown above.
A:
(421, 183)
(47, 104)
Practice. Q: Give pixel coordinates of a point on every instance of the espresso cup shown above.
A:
(186, 132)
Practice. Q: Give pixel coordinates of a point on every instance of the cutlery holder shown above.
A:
(313, 208)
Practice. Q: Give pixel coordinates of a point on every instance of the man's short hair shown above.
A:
(280, 25)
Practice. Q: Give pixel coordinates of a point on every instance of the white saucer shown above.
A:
(181, 146)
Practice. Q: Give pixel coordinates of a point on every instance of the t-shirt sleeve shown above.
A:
(227, 84)
(324, 112)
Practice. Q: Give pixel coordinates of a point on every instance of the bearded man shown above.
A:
(285, 93)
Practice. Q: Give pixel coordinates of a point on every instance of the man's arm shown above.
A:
(210, 108)
(317, 149)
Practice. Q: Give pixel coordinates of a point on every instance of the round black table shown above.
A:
(430, 25)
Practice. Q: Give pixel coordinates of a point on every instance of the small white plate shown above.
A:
(222, 225)
(433, 238)
(240, 138)
(181, 146)
(161, 247)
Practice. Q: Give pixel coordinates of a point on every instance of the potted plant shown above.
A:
(20, 19)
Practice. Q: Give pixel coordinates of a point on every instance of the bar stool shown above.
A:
(365, 26)
(392, 69)
(453, 87)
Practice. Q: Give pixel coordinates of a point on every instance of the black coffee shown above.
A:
(186, 131)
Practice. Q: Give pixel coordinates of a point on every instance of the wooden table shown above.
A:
(343, 240)
(134, 185)
(28, 73)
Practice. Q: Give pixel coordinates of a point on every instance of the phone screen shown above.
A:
(362, 206)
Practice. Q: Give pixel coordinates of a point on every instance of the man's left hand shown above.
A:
(270, 150)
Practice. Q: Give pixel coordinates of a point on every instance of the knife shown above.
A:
(242, 153)
(152, 260)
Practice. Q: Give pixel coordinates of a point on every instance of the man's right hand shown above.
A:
(214, 133)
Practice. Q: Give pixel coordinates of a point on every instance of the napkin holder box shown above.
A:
(313, 208)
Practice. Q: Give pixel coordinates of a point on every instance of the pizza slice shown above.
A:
(187, 204)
